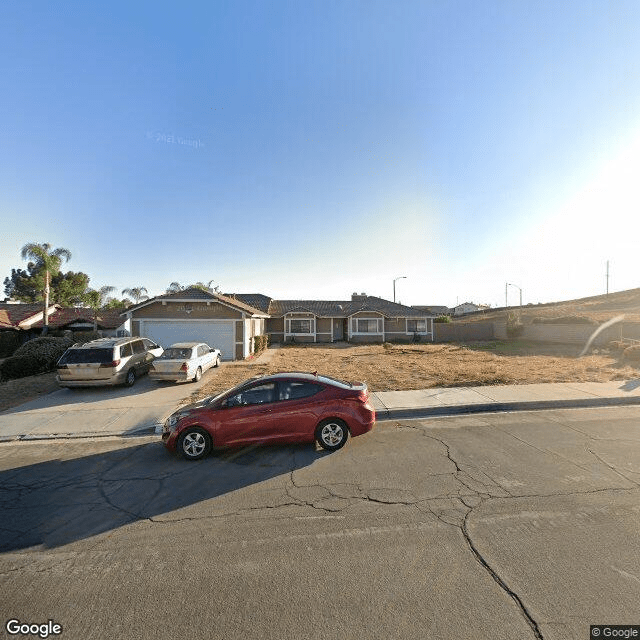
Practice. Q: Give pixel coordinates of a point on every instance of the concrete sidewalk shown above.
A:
(442, 401)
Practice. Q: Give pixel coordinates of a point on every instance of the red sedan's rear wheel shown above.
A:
(332, 434)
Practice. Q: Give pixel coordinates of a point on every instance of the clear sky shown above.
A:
(310, 149)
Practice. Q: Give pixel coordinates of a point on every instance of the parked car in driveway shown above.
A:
(106, 361)
(275, 409)
(185, 361)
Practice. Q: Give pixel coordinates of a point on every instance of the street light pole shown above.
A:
(510, 284)
(394, 285)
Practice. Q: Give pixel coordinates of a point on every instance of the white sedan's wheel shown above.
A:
(198, 375)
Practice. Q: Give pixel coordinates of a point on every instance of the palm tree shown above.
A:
(51, 261)
(96, 300)
(137, 293)
(174, 287)
(203, 286)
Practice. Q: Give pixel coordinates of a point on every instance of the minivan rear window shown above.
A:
(86, 356)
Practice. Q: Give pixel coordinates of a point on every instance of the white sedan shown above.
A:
(184, 361)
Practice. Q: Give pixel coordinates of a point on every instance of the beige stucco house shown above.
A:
(231, 321)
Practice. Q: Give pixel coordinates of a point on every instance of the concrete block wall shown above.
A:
(454, 332)
(571, 333)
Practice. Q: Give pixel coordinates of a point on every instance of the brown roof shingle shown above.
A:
(107, 318)
(344, 308)
(200, 294)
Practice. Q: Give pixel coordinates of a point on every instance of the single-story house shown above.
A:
(21, 317)
(29, 319)
(361, 319)
(24, 318)
(109, 321)
(194, 314)
(231, 321)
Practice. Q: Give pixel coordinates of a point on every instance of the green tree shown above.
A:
(50, 260)
(24, 284)
(69, 288)
(97, 299)
(137, 293)
(114, 303)
(27, 285)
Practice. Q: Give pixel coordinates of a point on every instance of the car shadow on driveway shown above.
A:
(54, 503)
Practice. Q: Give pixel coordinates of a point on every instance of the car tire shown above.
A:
(198, 375)
(130, 380)
(332, 434)
(217, 364)
(194, 443)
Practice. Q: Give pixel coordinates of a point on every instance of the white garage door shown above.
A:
(218, 334)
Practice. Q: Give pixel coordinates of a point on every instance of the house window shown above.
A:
(366, 325)
(300, 326)
(416, 326)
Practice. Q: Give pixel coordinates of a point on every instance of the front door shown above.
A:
(338, 334)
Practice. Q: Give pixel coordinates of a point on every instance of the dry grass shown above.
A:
(400, 367)
(16, 392)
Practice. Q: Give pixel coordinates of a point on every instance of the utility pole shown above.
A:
(506, 284)
(607, 277)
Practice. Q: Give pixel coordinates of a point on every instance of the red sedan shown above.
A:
(277, 409)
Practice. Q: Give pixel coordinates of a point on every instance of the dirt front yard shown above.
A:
(15, 392)
(396, 367)
(420, 366)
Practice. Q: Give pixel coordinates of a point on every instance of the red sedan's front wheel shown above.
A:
(194, 443)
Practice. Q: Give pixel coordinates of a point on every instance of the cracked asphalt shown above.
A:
(502, 526)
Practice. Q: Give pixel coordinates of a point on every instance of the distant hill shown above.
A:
(598, 308)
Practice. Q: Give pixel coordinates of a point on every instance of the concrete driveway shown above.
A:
(97, 411)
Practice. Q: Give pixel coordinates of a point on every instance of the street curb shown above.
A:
(500, 407)
(381, 416)
(148, 430)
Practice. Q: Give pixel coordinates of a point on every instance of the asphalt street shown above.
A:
(497, 526)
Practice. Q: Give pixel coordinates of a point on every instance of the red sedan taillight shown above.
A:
(184, 367)
(361, 396)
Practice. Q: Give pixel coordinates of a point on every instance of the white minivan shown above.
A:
(106, 361)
